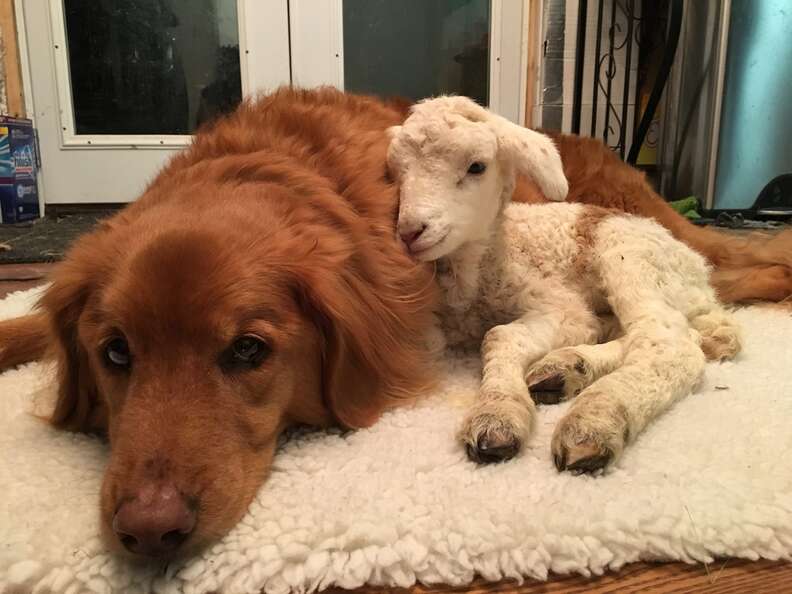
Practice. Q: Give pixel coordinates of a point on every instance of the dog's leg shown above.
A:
(23, 339)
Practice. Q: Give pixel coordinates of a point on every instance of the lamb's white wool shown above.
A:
(528, 283)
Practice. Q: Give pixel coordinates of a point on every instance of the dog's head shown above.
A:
(457, 164)
(193, 334)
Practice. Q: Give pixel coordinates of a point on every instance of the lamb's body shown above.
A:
(540, 300)
(539, 288)
(541, 253)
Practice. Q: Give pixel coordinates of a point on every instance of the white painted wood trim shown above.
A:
(317, 42)
(27, 86)
(508, 58)
(24, 58)
(495, 54)
(263, 45)
(524, 41)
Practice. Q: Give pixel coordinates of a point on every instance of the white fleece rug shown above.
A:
(400, 502)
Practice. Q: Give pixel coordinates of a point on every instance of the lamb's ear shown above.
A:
(392, 131)
(532, 154)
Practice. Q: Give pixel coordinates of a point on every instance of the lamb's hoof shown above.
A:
(587, 464)
(549, 390)
(485, 453)
(588, 439)
(560, 375)
(494, 431)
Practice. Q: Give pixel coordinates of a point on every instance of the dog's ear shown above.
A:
(352, 388)
(78, 406)
(533, 154)
(371, 356)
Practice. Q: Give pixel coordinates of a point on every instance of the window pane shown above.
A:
(151, 66)
(417, 48)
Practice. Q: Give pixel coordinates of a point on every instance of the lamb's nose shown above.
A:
(411, 235)
(155, 522)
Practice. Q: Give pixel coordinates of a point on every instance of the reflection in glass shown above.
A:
(151, 66)
(417, 48)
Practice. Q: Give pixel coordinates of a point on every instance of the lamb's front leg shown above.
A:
(660, 367)
(502, 419)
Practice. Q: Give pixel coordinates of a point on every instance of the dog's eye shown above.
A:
(246, 351)
(116, 353)
(247, 348)
(477, 168)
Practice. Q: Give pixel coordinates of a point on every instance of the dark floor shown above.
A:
(45, 239)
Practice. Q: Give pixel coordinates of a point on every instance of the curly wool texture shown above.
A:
(400, 503)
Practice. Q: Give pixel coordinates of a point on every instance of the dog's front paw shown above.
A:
(589, 437)
(559, 375)
(494, 431)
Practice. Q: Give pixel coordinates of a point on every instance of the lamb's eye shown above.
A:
(477, 168)
(246, 351)
(116, 354)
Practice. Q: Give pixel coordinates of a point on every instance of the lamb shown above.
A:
(566, 301)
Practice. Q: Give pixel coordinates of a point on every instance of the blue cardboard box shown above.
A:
(19, 200)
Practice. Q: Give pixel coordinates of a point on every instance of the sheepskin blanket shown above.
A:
(400, 503)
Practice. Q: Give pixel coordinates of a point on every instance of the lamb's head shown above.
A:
(457, 163)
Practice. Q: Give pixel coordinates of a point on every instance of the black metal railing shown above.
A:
(629, 28)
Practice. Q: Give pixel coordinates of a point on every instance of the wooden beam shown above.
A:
(721, 577)
(534, 59)
(11, 66)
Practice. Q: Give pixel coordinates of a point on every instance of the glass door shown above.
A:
(414, 48)
(119, 85)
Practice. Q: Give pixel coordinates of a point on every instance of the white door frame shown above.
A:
(92, 161)
(317, 50)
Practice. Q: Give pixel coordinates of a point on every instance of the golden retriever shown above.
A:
(257, 284)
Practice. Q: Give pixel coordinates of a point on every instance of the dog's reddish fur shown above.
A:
(278, 222)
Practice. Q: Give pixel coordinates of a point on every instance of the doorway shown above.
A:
(116, 87)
